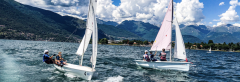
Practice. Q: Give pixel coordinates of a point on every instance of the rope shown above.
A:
(71, 34)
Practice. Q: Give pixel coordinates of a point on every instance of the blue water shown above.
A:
(21, 61)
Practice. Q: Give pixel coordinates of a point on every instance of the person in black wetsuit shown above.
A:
(46, 58)
(152, 56)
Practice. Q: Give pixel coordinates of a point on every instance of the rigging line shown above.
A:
(71, 34)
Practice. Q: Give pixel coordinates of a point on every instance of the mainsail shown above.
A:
(163, 39)
(91, 29)
(179, 49)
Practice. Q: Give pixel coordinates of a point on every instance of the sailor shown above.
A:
(145, 56)
(163, 55)
(152, 56)
(59, 59)
(46, 58)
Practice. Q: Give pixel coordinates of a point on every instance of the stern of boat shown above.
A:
(172, 65)
(83, 72)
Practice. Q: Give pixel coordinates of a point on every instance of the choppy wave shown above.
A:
(22, 61)
(114, 79)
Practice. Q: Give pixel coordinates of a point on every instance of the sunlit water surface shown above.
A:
(22, 61)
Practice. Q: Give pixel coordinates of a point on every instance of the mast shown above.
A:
(171, 32)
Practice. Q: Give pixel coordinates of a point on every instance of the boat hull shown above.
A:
(172, 65)
(77, 70)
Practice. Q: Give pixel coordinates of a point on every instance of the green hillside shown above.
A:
(144, 30)
(19, 25)
(117, 33)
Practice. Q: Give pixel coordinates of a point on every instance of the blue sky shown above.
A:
(152, 11)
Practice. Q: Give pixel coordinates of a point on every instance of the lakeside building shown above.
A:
(114, 41)
(2, 25)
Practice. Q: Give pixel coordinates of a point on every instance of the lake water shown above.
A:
(21, 61)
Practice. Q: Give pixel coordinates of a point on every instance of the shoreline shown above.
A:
(186, 48)
(217, 50)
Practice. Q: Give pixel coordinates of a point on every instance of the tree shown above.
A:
(210, 41)
(145, 42)
(104, 41)
(198, 46)
(125, 41)
(139, 42)
(188, 45)
(173, 44)
(131, 42)
(152, 42)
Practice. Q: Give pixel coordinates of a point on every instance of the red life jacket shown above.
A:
(163, 56)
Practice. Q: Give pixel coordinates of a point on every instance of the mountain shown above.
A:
(198, 31)
(187, 38)
(31, 23)
(144, 30)
(117, 33)
(226, 28)
(99, 21)
(106, 22)
(220, 37)
(18, 25)
(224, 33)
(191, 39)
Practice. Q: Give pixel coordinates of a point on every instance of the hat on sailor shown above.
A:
(146, 50)
(45, 51)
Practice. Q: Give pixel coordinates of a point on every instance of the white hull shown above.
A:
(172, 65)
(209, 52)
(77, 70)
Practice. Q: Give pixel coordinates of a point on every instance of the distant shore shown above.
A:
(217, 50)
(186, 48)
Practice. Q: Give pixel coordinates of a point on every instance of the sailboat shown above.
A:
(81, 71)
(209, 51)
(163, 40)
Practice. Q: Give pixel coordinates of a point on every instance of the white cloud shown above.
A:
(210, 22)
(230, 15)
(152, 11)
(222, 3)
(215, 20)
(219, 24)
(105, 9)
(189, 11)
(236, 24)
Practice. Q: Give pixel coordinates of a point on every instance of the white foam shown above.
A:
(114, 79)
(69, 75)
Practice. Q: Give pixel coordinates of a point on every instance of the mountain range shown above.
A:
(18, 21)
(31, 23)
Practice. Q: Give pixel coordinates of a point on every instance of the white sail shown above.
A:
(94, 37)
(163, 39)
(89, 29)
(179, 49)
(210, 49)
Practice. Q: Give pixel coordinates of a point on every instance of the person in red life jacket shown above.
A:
(145, 56)
(163, 55)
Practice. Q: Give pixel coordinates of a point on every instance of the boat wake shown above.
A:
(114, 79)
